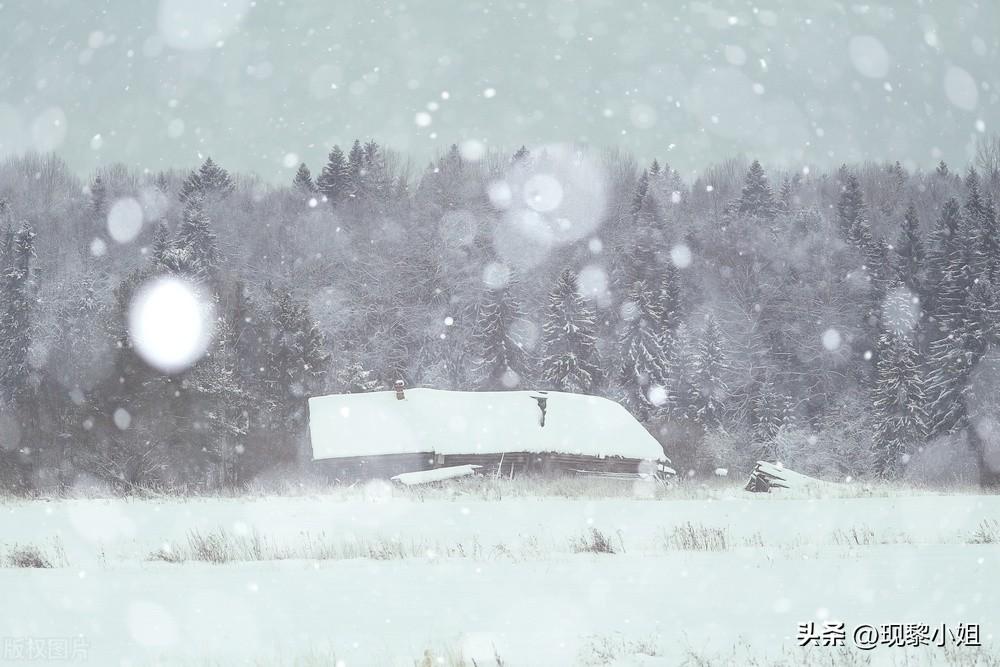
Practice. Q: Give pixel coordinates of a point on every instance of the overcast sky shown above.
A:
(259, 85)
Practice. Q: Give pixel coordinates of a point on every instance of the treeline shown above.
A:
(842, 323)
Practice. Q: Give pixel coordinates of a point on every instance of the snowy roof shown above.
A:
(456, 422)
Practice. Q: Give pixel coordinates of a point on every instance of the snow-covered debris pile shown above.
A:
(767, 476)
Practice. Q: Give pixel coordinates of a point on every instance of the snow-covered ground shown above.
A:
(390, 578)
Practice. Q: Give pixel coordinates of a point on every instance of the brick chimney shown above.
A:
(399, 390)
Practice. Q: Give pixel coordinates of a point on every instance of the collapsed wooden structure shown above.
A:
(766, 476)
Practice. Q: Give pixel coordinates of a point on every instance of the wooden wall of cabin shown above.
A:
(372, 467)
(518, 463)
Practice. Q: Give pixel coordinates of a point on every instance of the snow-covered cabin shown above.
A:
(384, 433)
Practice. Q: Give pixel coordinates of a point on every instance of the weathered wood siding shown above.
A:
(511, 463)
(372, 467)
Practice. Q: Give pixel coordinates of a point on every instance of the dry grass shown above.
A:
(221, 547)
(698, 537)
(610, 649)
(33, 556)
(867, 536)
(596, 542)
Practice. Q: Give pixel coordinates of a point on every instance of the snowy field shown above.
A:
(485, 574)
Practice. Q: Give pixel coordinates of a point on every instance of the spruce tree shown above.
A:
(303, 182)
(910, 253)
(333, 180)
(355, 170)
(770, 410)
(981, 324)
(645, 245)
(681, 352)
(162, 243)
(295, 366)
(786, 196)
(372, 186)
(709, 386)
(643, 357)
(214, 181)
(504, 362)
(216, 415)
(522, 156)
(669, 300)
(756, 199)
(956, 269)
(297, 353)
(250, 332)
(356, 379)
(196, 241)
(190, 188)
(16, 317)
(982, 220)
(98, 199)
(850, 206)
(952, 350)
(899, 395)
(570, 358)
(161, 183)
(942, 241)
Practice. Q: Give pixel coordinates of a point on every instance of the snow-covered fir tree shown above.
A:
(219, 410)
(98, 199)
(522, 156)
(196, 241)
(681, 352)
(356, 379)
(504, 363)
(355, 169)
(981, 215)
(756, 198)
(943, 242)
(709, 386)
(303, 182)
(214, 181)
(785, 196)
(953, 345)
(909, 251)
(569, 345)
(898, 395)
(669, 298)
(850, 206)
(16, 312)
(770, 410)
(208, 181)
(295, 366)
(640, 347)
(162, 243)
(296, 352)
(333, 180)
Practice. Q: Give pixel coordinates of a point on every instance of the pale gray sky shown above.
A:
(157, 83)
